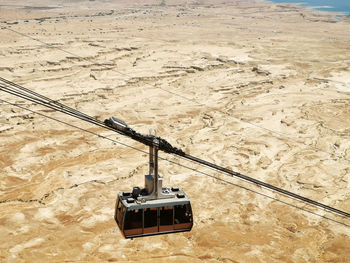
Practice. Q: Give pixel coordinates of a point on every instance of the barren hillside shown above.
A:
(260, 88)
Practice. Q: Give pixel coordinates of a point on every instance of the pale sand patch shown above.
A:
(31, 243)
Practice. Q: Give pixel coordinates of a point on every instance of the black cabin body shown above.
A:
(136, 218)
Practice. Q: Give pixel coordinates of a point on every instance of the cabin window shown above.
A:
(120, 213)
(119, 207)
(150, 217)
(183, 214)
(166, 215)
(133, 219)
(150, 224)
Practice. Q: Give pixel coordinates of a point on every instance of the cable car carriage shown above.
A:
(154, 209)
(136, 217)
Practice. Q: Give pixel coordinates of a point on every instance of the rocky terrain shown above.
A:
(259, 88)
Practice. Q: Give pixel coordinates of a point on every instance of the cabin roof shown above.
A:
(176, 197)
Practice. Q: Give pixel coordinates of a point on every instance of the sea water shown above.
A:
(342, 6)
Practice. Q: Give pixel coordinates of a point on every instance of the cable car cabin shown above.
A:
(137, 218)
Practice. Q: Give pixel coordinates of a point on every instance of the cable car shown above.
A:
(136, 218)
(154, 209)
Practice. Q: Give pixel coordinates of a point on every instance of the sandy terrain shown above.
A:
(260, 88)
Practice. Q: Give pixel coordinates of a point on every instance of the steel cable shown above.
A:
(74, 113)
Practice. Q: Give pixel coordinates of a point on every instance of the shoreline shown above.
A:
(51, 10)
(315, 8)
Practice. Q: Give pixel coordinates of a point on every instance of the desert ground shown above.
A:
(259, 88)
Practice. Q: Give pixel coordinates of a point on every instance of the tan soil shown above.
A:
(262, 89)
